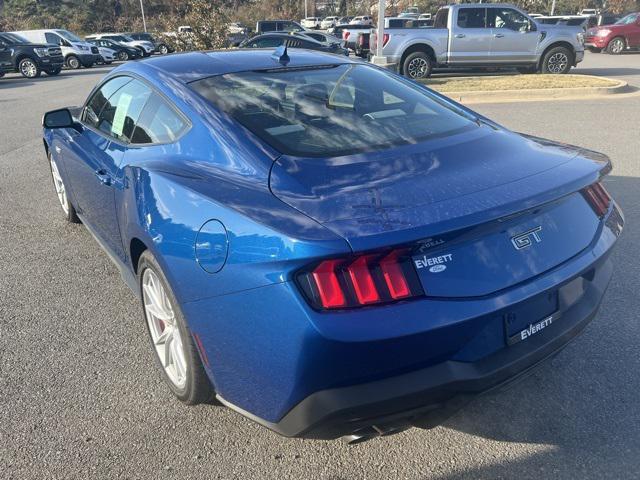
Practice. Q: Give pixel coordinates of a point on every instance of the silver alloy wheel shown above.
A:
(73, 62)
(164, 330)
(122, 56)
(417, 68)
(617, 45)
(557, 62)
(59, 185)
(163, 49)
(28, 68)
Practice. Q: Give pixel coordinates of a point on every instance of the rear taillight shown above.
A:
(360, 280)
(598, 198)
(345, 35)
(385, 39)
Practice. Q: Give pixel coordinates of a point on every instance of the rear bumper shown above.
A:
(427, 397)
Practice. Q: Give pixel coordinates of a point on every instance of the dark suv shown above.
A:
(30, 59)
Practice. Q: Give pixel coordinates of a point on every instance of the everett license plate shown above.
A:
(531, 317)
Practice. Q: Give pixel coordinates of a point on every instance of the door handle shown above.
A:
(499, 35)
(460, 35)
(103, 178)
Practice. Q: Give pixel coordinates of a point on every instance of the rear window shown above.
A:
(331, 111)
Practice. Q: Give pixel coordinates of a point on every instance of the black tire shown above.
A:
(29, 68)
(123, 56)
(163, 49)
(73, 62)
(197, 388)
(557, 60)
(616, 46)
(417, 65)
(54, 72)
(595, 50)
(70, 215)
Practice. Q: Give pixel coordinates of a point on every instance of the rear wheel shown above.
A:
(73, 62)
(29, 68)
(557, 60)
(61, 192)
(616, 46)
(171, 340)
(417, 65)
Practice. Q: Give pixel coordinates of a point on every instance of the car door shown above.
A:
(96, 153)
(633, 36)
(515, 39)
(5, 56)
(470, 38)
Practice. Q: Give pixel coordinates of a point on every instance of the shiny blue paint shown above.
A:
(212, 246)
(267, 348)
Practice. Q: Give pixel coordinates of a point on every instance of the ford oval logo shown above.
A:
(437, 268)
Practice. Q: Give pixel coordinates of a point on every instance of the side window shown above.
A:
(294, 43)
(268, 26)
(159, 123)
(472, 17)
(508, 18)
(52, 38)
(267, 42)
(99, 99)
(120, 114)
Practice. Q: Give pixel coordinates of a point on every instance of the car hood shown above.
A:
(434, 186)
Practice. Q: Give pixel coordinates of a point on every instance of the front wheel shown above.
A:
(61, 191)
(417, 65)
(557, 60)
(123, 56)
(73, 62)
(163, 49)
(172, 343)
(29, 68)
(616, 46)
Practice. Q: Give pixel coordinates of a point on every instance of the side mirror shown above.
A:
(58, 119)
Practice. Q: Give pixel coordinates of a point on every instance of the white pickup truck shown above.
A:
(483, 35)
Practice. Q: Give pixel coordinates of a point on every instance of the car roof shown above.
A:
(188, 67)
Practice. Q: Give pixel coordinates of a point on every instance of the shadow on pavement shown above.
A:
(579, 410)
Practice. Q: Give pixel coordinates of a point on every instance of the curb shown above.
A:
(539, 94)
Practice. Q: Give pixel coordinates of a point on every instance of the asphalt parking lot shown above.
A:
(80, 397)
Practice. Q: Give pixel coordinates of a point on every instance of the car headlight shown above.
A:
(603, 33)
(41, 52)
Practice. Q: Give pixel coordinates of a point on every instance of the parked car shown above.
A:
(322, 278)
(321, 37)
(483, 35)
(615, 39)
(107, 56)
(146, 47)
(160, 46)
(362, 20)
(350, 34)
(75, 51)
(265, 26)
(17, 54)
(329, 22)
(237, 28)
(299, 40)
(311, 22)
(122, 52)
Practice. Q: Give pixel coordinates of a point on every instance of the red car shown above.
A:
(616, 38)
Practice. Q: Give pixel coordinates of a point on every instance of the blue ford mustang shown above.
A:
(329, 248)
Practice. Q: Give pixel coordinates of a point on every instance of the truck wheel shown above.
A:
(29, 68)
(616, 46)
(73, 62)
(417, 65)
(557, 60)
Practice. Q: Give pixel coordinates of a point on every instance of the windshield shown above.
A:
(68, 36)
(13, 38)
(331, 110)
(629, 19)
